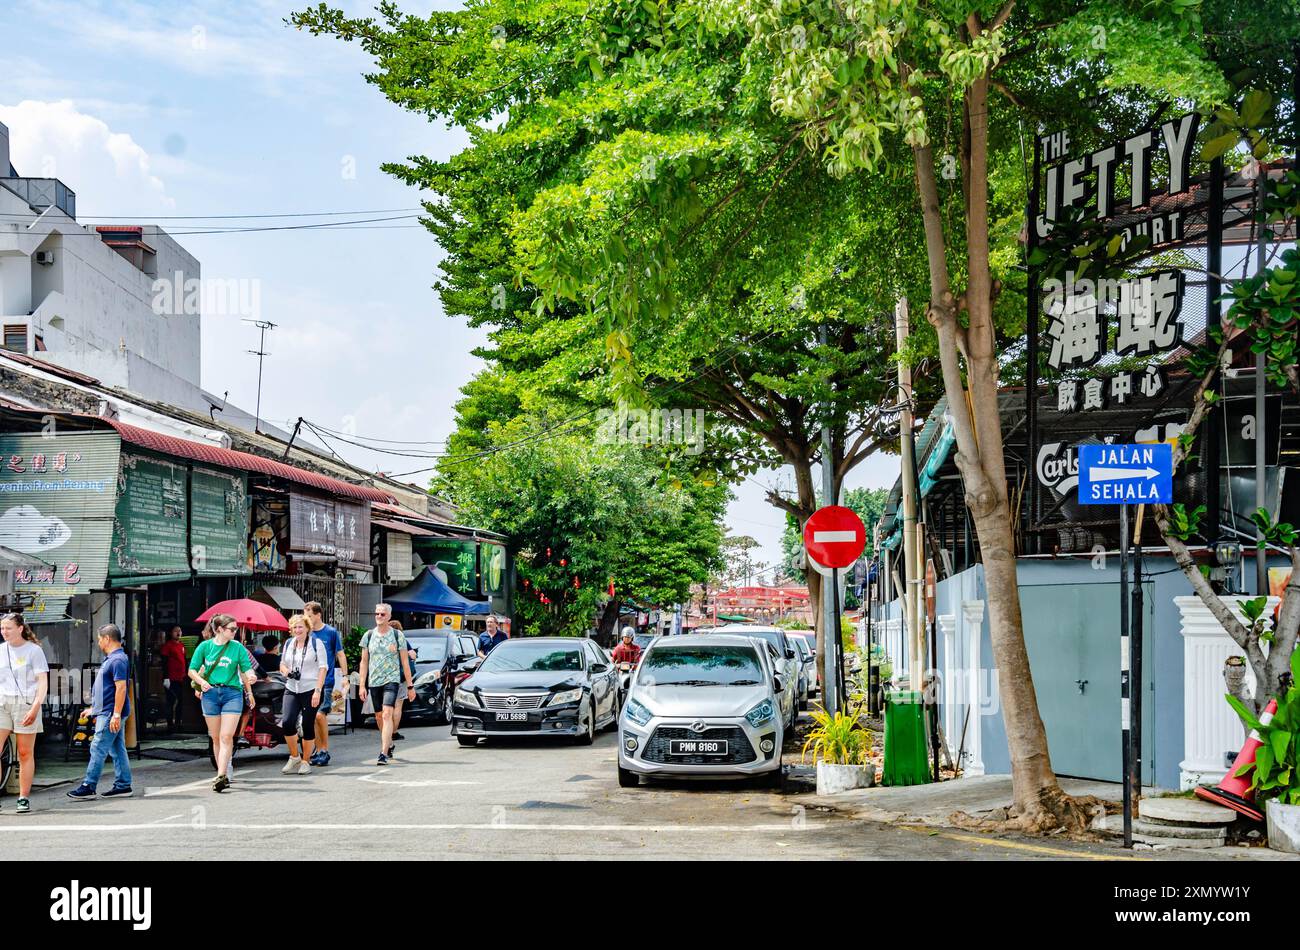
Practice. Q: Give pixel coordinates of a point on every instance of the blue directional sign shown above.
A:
(1126, 474)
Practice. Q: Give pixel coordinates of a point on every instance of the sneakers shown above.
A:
(23, 806)
(118, 791)
(293, 765)
(320, 758)
(398, 735)
(304, 768)
(383, 760)
(392, 751)
(83, 793)
(220, 784)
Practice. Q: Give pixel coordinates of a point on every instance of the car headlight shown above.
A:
(761, 713)
(567, 696)
(636, 712)
(465, 697)
(427, 679)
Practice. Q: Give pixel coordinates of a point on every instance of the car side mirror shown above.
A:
(598, 667)
(470, 665)
(777, 684)
(789, 654)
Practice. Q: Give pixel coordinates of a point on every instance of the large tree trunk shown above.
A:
(1039, 800)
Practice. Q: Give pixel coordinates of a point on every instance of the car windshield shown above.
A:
(701, 665)
(429, 649)
(515, 656)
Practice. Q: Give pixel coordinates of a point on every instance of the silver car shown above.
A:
(707, 706)
(787, 662)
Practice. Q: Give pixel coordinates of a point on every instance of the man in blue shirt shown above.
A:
(333, 643)
(112, 707)
(491, 637)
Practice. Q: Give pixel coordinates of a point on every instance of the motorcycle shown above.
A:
(261, 727)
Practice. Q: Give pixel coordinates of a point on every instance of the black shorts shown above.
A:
(385, 695)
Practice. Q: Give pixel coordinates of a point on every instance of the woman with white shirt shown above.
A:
(304, 663)
(24, 682)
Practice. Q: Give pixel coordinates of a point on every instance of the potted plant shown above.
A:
(841, 748)
(1275, 773)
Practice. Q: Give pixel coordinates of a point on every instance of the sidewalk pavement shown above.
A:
(985, 796)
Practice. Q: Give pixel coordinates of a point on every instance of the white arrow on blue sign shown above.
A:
(1126, 474)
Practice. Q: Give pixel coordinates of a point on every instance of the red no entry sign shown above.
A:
(834, 537)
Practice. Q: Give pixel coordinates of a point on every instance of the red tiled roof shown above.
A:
(242, 461)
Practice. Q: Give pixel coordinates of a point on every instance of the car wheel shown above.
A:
(627, 778)
(588, 735)
(770, 779)
(467, 740)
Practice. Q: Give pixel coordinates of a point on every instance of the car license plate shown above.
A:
(512, 717)
(697, 746)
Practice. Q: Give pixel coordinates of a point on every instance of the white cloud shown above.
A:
(106, 169)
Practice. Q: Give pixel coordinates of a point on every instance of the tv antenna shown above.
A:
(260, 353)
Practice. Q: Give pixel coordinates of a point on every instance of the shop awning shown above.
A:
(428, 594)
(281, 598)
(139, 580)
(242, 461)
(402, 527)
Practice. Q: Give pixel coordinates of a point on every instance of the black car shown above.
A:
(538, 686)
(439, 655)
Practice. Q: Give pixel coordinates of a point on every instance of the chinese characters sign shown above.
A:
(1146, 309)
(329, 526)
(149, 530)
(218, 522)
(56, 503)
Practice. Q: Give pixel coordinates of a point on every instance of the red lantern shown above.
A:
(548, 552)
(576, 583)
(564, 562)
(526, 582)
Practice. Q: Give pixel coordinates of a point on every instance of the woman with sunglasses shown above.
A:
(217, 670)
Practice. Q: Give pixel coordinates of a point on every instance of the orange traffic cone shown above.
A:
(1234, 791)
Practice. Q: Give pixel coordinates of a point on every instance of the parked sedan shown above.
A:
(807, 669)
(787, 664)
(439, 655)
(702, 706)
(538, 686)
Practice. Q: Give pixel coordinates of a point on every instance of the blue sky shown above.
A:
(206, 108)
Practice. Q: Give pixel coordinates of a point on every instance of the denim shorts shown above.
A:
(223, 701)
(385, 695)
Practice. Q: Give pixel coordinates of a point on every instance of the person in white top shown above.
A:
(304, 662)
(24, 682)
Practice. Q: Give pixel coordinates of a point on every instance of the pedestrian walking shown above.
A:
(385, 668)
(412, 655)
(175, 677)
(112, 707)
(303, 665)
(24, 683)
(490, 637)
(332, 640)
(218, 670)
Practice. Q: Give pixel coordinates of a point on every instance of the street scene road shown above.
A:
(439, 801)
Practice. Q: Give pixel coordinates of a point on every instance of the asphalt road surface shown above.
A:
(510, 799)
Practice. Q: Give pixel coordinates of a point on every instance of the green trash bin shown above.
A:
(906, 761)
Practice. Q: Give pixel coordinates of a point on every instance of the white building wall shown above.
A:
(95, 311)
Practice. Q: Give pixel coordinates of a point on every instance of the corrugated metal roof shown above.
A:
(242, 461)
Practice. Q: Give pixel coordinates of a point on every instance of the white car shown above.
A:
(788, 662)
(704, 706)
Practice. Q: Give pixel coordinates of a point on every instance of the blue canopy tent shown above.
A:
(428, 593)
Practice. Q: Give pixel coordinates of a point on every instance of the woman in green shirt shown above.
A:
(217, 670)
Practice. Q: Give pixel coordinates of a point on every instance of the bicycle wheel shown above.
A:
(8, 762)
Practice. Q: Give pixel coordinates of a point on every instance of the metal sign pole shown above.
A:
(1135, 664)
(1124, 676)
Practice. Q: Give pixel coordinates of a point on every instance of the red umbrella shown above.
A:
(250, 614)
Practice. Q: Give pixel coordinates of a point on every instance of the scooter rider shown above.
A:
(627, 651)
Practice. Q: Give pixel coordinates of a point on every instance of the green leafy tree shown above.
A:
(861, 79)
